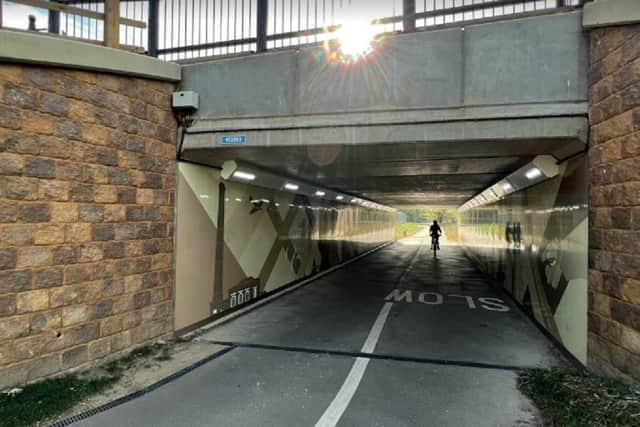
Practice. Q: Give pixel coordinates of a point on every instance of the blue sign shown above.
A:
(233, 139)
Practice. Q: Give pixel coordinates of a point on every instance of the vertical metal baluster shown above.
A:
(299, 21)
(235, 24)
(136, 31)
(282, 23)
(206, 26)
(199, 26)
(307, 26)
(144, 18)
(213, 25)
(98, 22)
(275, 21)
(164, 26)
(180, 30)
(315, 18)
(228, 23)
(178, 42)
(186, 27)
(242, 25)
(172, 42)
(74, 25)
(127, 28)
(213, 29)
(291, 40)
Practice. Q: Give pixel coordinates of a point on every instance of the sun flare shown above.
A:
(354, 41)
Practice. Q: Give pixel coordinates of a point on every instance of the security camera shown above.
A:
(184, 105)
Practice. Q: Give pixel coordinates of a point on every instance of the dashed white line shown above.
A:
(332, 414)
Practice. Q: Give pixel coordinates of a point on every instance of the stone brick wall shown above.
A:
(614, 275)
(87, 179)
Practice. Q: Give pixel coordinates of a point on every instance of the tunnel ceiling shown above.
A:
(393, 174)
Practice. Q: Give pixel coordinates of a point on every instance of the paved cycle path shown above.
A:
(397, 338)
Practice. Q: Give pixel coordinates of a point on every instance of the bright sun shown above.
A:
(355, 39)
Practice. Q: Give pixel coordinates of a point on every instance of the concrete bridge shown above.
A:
(432, 117)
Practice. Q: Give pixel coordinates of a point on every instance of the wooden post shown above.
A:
(112, 23)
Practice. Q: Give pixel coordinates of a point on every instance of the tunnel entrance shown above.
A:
(284, 214)
(305, 172)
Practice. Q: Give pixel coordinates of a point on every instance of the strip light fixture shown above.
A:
(538, 170)
(241, 172)
(244, 175)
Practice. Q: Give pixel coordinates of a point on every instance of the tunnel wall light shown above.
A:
(533, 173)
(242, 172)
(244, 175)
(540, 169)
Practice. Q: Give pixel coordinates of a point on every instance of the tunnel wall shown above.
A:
(535, 244)
(271, 238)
(86, 215)
(614, 275)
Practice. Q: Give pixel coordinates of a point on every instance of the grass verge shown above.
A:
(569, 398)
(51, 397)
(406, 229)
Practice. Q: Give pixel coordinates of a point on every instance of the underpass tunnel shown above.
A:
(290, 187)
(284, 214)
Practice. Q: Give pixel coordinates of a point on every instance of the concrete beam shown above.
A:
(525, 129)
(604, 13)
(24, 47)
(485, 69)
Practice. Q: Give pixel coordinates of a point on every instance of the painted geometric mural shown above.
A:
(535, 243)
(268, 239)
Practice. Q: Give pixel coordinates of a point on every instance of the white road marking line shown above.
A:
(376, 329)
(339, 404)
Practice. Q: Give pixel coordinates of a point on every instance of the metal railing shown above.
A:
(190, 29)
(114, 23)
(227, 27)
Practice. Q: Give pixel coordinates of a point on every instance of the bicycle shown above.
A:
(435, 244)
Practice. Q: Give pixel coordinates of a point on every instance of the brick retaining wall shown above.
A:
(614, 275)
(87, 181)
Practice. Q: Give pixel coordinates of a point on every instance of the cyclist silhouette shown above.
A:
(435, 232)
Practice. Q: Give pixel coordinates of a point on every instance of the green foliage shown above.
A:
(48, 398)
(406, 229)
(570, 398)
(424, 215)
(51, 397)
